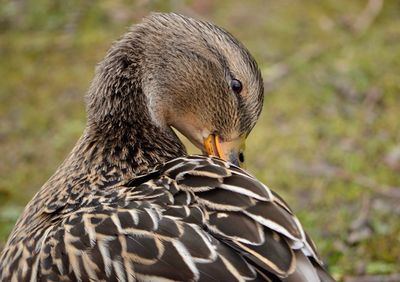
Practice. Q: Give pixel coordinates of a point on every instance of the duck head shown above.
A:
(196, 78)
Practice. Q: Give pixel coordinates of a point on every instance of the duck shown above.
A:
(129, 204)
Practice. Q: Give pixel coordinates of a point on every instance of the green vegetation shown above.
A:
(328, 140)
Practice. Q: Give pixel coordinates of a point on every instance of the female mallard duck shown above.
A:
(190, 218)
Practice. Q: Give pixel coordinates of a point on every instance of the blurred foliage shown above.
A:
(328, 139)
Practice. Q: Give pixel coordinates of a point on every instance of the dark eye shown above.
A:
(236, 86)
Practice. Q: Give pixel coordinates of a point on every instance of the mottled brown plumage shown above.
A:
(127, 204)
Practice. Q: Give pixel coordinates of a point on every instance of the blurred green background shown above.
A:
(328, 140)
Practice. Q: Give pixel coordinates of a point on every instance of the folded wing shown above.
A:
(194, 219)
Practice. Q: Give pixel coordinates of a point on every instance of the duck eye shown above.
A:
(236, 86)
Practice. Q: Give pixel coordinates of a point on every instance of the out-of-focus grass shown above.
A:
(326, 140)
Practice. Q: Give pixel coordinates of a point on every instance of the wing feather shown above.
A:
(193, 219)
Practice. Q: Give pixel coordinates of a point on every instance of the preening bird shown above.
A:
(129, 204)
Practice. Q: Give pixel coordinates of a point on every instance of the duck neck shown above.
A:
(122, 152)
(121, 134)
